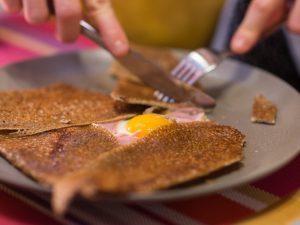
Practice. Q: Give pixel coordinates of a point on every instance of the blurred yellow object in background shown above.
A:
(174, 23)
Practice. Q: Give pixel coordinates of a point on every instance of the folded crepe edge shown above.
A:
(21, 132)
(65, 190)
(83, 183)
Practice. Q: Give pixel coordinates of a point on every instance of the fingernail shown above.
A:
(119, 47)
(240, 42)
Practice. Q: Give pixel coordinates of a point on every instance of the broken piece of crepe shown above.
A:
(169, 155)
(28, 112)
(263, 110)
(163, 57)
(131, 92)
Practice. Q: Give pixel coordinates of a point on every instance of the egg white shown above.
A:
(122, 129)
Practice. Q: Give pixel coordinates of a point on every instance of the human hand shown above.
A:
(261, 16)
(68, 15)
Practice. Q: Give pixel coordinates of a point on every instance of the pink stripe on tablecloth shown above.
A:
(14, 212)
(43, 32)
(10, 54)
(284, 181)
(82, 42)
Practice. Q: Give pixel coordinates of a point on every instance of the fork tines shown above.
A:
(190, 69)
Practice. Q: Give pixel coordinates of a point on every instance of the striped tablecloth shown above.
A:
(272, 200)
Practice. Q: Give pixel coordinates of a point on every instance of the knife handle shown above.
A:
(91, 33)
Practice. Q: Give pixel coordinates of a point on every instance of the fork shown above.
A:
(202, 61)
(194, 66)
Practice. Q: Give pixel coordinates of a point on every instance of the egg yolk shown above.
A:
(144, 124)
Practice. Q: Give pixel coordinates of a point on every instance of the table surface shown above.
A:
(275, 198)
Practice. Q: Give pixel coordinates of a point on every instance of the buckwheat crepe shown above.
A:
(132, 92)
(161, 56)
(167, 156)
(56, 106)
(263, 110)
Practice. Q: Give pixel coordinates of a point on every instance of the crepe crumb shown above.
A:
(263, 110)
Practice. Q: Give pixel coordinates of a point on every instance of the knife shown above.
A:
(150, 73)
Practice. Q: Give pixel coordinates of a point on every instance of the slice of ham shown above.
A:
(112, 127)
(186, 114)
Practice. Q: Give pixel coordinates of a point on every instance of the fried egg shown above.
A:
(142, 125)
(128, 131)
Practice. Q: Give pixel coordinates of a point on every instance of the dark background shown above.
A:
(272, 54)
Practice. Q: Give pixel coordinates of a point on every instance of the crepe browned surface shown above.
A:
(167, 156)
(50, 155)
(161, 56)
(131, 92)
(136, 93)
(263, 110)
(56, 106)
